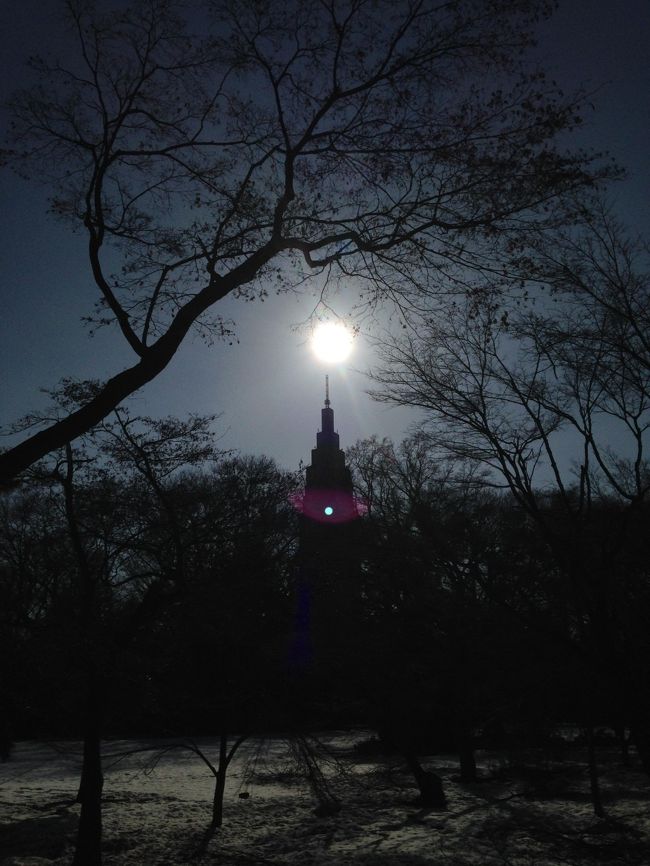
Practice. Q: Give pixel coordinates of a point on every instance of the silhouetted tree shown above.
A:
(219, 652)
(99, 529)
(392, 145)
(161, 592)
(439, 654)
(34, 591)
(514, 389)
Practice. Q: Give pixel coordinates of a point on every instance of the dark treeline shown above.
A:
(482, 635)
(146, 590)
(168, 571)
(156, 595)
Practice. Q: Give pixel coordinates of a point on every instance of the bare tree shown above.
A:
(109, 561)
(521, 393)
(603, 269)
(393, 145)
(430, 532)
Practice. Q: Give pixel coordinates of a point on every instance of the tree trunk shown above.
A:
(621, 736)
(467, 761)
(641, 739)
(89, 833)
(593, 774)
(220, 784)
(6, 743)
(431, 793)
(88, 850)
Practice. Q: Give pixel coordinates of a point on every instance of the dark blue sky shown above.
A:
(269, 388)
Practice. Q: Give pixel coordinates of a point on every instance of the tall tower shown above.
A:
(327, 558)
(328, 484)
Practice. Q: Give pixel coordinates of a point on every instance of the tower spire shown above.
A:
(327, 436)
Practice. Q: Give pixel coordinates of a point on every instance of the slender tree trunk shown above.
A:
(467, 760)
(593, 773)
(219, 788)
(6, 743)
(220, 784)
(88, 850)
(621, 736)
(89, 833)
(641, 739)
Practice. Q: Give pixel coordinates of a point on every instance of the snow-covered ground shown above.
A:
(156, 813)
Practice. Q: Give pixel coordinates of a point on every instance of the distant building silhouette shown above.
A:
(327, 563)
(328, 500)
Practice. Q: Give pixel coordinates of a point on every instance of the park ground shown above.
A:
(530, 808)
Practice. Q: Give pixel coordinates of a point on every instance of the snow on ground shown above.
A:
(532, 811)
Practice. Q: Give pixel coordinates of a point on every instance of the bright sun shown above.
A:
(332, 342)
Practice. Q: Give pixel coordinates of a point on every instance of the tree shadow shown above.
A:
(45, 837)
(563, 840)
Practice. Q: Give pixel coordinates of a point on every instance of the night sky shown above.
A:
(269, 387)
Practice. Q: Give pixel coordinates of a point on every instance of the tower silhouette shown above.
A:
(328, 501)
(327, 564)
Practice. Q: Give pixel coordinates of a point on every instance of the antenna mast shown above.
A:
(327, 391)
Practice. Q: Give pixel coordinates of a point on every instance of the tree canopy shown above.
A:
(400, 146)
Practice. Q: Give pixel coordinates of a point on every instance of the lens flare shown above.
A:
(328, 506)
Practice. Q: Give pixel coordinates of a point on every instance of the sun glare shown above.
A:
(332, 342)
